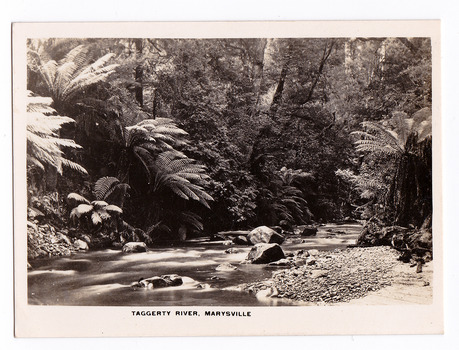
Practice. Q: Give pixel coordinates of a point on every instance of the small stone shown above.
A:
(226, 267)
(313, 252)
(80, 245)
(281, 262)
(134, 247)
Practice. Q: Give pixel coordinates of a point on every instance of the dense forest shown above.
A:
(163, 139)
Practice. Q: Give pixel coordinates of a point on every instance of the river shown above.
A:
(103, 278)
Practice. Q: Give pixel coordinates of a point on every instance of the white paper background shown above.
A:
(133, 10)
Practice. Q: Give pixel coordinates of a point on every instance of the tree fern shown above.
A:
(392, 139)
(97, 211)
(66, 78)
(43, 142)
(182, 176)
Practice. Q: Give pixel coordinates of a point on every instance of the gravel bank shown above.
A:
(331, 277)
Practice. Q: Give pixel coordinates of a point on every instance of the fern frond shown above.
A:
(191, 219)
(104, 187)
(113, 208)
(73, 165)
(145, 159)
(48, 73)
(99, 204)
(77, 198)
(32, 161)
(78, 55)
(96, 219)
(82, 209)
(99, 64)
(104, 215)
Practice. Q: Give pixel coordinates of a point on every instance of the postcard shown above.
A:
(227, 178)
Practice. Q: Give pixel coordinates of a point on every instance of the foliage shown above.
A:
(188, 125)
(405, 144)
(98, 214)
(65, 79)
(43, 141)
(182, 176)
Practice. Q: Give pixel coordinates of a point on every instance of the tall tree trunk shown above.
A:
(410, 195)
(139, 72)
(257, 77)
(280, 85)
(326, 54)
(155, 103)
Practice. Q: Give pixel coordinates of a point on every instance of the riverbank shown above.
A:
(346, 275)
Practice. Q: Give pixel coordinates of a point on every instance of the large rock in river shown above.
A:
(264, 234)
(309, 231)
(264, 253)
(241, 240)
(158, 282)
(134, 247)
(372, 234)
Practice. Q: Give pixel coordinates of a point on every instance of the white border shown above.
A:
(445, 10)
(64, 321)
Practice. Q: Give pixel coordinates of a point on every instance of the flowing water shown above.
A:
(104, 277)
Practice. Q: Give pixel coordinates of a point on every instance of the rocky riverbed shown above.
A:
(330, 277)
(46, 241)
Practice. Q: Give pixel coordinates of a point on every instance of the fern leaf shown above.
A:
(104, 187)
(178, 191)
(82, 209)
(73, 166)
(77, 198)
(104, 215)
(99, 204)
(35, 162)
(96, 219)
(192, 219)
(113, 209)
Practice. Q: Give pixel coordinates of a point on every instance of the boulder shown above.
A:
(225, 267)
(278, 229)
(217, 237)
(264, 253)
(173, 280)
(241, 240)
(134, 247)
(285, 225)
(264, 234)
(158, 282)
(64, 239)
(309, 231)
(421, 240)
(80, 245)
(373, 235)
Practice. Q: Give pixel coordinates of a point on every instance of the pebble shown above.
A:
(334, 277)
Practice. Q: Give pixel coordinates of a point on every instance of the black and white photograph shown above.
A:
(205, 178)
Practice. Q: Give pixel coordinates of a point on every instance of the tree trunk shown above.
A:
(280, 85)
(410, 195)
(139, 73)
(257, 77)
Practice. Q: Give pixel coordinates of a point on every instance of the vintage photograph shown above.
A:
(279, 172)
